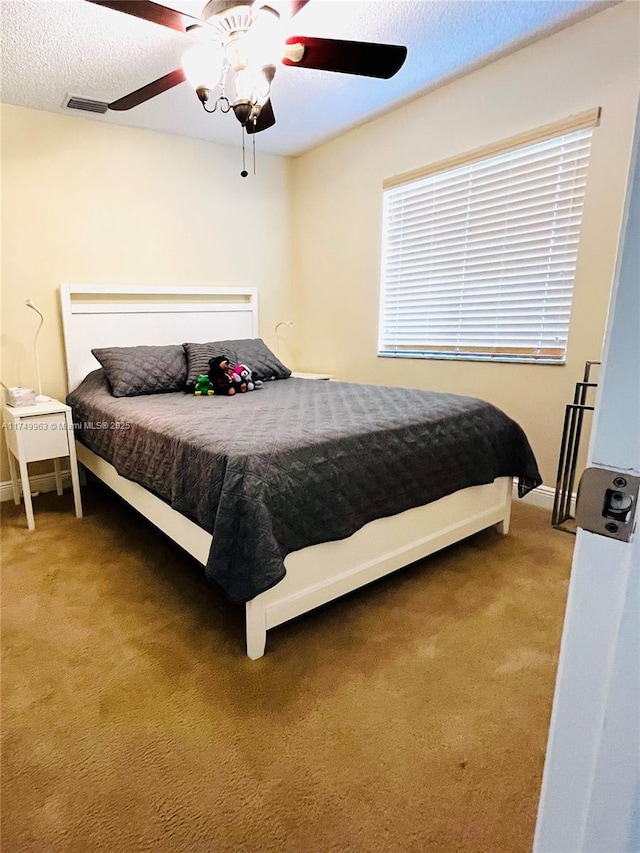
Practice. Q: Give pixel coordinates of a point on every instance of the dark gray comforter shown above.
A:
(297, 462)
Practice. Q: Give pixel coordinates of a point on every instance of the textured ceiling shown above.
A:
(51, 48)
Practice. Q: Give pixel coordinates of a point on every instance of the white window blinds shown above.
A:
(478, 261)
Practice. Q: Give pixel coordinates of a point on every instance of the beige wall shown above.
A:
(87, 202)
(336, 215)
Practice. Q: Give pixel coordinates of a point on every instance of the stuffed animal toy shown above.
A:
(238, 382)
(203, 385)
(220, 377)
(244, 376)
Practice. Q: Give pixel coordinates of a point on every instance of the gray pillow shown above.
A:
(133, 371)
(250, 351)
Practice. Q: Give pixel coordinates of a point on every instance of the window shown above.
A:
(479, 257)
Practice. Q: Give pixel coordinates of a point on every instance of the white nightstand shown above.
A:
(34, 433)
(312, 375)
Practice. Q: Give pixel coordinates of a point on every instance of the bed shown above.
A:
(298, 492)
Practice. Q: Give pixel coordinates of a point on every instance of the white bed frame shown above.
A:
(101, 315)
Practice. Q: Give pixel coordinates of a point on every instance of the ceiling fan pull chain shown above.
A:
(243, 173)
(253, 140)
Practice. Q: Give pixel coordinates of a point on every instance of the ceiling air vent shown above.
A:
(87, 105)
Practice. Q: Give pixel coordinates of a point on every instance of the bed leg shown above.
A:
(503, 526)
(256, 629)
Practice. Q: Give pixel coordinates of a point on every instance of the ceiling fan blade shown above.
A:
(143, 94)
(349, 57)
(265, 120)
(153, 12)
(297, 6)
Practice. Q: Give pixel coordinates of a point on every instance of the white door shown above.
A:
(590, 799)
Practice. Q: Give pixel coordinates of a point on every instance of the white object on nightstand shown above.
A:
(35, 433)
(298, 375)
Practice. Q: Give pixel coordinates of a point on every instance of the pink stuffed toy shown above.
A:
(243, 376)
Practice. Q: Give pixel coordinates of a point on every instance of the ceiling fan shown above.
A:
(237, 45)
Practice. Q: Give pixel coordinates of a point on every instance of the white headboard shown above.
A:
(105, 315)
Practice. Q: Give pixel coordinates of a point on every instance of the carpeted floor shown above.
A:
(410, 716)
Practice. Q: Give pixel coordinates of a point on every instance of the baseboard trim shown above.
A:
(543, 497)
(39, 483)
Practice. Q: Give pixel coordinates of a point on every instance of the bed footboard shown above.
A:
(321, 573)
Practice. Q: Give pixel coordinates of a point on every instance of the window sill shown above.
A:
(503, 359)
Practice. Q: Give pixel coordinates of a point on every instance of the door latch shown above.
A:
(607, 502)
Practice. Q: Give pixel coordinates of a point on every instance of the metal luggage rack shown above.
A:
(571, 431)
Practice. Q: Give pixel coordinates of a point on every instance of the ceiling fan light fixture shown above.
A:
(245, 111)
(236, 52)
(252, 85)
(202, 66)
(203, 94)
(266, 37)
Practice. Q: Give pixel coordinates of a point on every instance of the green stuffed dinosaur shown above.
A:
(203, 385)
